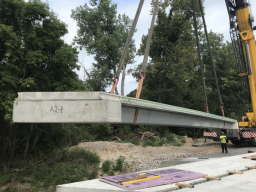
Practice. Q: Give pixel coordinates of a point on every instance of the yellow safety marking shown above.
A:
(139, 180)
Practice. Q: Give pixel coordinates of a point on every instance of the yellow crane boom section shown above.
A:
(249, 49)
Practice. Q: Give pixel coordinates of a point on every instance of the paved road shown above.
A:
(232, 150)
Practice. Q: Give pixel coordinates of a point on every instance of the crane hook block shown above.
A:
(142, 74)
(115, 80)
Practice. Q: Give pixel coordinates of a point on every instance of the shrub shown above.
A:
(183, 140)
(90, 157)
(106, 166)
(119, 164)
(148, 143)
(60, 167)
(93, 174)
(5, 179)
(9, 190)
(170, 137)
(111, 173)
(154, 143)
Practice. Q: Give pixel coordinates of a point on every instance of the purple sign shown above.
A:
(168, 176)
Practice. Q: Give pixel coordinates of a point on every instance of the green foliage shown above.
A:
(59, 167)
(183, 140)
(170, 137)
(94, 174)
(173, 74)
(62, 135)
(109, 167)
(5, 179)
(111, 173)
(119, 164)
(33, 57)
(100, 132)
(153, 143)
(167, 139)
(91, 158)
(103, 33)
(9, 190)
(106, 166)
(98, 79)
(227, 71)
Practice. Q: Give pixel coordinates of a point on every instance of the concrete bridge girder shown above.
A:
(98, 107)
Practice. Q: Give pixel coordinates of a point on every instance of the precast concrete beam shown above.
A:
(98, 107)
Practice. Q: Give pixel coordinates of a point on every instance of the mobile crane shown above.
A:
(243, 40)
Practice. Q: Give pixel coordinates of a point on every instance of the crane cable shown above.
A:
(199, 56)
(126, 47)
(211, 58)
(142, 73)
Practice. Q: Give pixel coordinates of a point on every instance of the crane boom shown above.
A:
(241, 30)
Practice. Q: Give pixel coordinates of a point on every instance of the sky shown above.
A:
(216, 18)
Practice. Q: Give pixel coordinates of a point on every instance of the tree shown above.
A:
(103, 33)
(173, 73)
(33, 57)
(230, 85)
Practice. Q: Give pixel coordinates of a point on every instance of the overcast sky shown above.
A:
(216, 19)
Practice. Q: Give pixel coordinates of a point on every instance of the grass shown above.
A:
(134, 141)
(9, 190)
(168, 138)
(59, 167)
(153, 143)
(5, 179)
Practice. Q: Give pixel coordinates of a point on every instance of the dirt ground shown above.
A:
(113, 150)
(143, 158)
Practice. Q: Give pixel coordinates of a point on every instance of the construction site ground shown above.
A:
(141, 158)
(225, 168)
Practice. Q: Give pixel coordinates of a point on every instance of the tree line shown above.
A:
(34, 57)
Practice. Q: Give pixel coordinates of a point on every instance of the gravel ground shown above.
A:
(138, 158)
(232, 151)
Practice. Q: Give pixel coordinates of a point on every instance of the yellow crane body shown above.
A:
(245, 29)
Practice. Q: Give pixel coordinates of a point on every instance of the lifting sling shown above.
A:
(126, 47)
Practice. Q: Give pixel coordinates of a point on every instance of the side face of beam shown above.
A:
(164, 118)
(96, 107)
(66, 111)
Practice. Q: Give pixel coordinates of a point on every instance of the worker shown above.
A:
(223, 139)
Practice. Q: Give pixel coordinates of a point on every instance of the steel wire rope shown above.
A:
(199, 56)
(127, 44)
(142, 73)
(211, 58)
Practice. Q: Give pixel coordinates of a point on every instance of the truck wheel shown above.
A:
(236, 142)
(253, 141)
